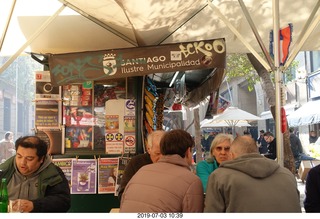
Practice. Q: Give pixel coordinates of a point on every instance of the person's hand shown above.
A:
(26, 206)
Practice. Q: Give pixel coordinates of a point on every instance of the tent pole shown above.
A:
(30, 40)
(234, 131)
(240, 37)
(256, 33)
(279, 141)
(7, 24)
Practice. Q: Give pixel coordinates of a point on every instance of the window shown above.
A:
(6, 114)
(20, 117)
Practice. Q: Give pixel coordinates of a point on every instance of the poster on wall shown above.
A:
(107, 175)
(47, 114)
(78, 137)
(129, 129)
(55, 138)
(78, 115)
(44, 88)
(114, 113)
(84, 176)
(47, 102)
(120, 126)
(65, 165)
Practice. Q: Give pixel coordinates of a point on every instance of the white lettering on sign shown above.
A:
(204, 48)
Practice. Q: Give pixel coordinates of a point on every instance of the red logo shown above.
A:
(130, 140)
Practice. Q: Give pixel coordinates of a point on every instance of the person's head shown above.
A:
(8, 136)
(153, 144)
(243, 145)
(179, 142)
(291, 130)
(262, 132)
(313, 133)
(113, 172)
(268, 137)
(220, 147)
(31, 152)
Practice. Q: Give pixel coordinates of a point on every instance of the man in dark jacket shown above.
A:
(138, 161)
(312, 137)
(312, 191)
(272, 145)
(296, 147)
(40, 185)
(262, 144)
(297, 150)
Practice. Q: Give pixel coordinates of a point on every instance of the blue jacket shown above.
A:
(204, 169)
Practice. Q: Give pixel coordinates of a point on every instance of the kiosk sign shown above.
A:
(120, 63)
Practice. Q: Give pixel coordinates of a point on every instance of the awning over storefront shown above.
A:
(307, 114)
(120, 63)
(288, 108)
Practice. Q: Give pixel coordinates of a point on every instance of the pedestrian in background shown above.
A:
(313, 137)
(261, 143)
(297, 149)
(7, 149)
(272, 145)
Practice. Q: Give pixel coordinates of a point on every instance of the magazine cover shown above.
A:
(107, 175)
(122, 163)
(65, 165)
(83, 176)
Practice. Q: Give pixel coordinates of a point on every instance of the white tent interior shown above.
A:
(45, 26)
(125, 23)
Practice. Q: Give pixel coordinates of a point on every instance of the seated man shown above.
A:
(40, 185)
(297, 150)
(153, 155)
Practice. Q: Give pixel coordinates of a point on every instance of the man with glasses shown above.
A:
(272, 147)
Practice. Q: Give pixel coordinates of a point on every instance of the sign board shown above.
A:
(139, 61)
